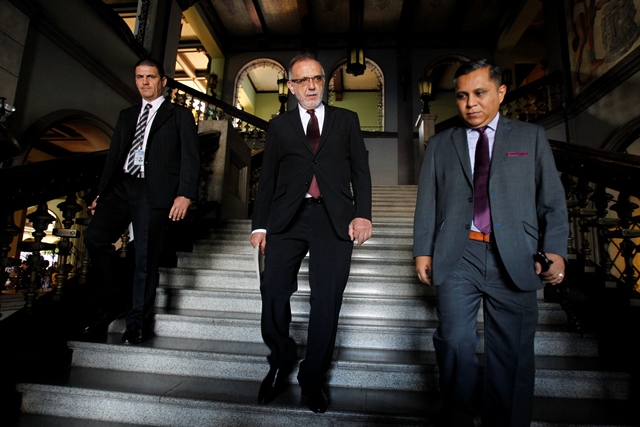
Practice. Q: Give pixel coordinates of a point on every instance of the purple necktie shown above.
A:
(481, 210)
(313, 135)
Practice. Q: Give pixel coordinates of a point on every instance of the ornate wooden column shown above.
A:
(40, 220)
(69, 209)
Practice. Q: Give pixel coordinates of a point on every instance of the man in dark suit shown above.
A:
(150, 176)
(314, 195)
(479, 245)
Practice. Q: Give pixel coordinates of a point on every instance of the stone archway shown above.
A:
(63, 133)
(257, 77)
(367, 91)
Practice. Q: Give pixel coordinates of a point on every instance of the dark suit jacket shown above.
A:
(341, 165)
(171, 157)
(528, 205)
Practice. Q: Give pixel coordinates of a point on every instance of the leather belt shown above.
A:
(312, 200)
(476, 235)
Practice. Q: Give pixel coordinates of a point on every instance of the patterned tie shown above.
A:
(313, 135)
(481, 210)
(138, 139)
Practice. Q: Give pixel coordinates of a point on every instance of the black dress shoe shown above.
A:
(132, 335)
(273, 384)
(315, 399)
(99, 325)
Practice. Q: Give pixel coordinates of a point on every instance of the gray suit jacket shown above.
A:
(528, 205)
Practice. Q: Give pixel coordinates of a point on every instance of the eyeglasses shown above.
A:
(306, 80)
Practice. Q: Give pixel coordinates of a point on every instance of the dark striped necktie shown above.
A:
(313, 135)
(481, 209)
(138, 140)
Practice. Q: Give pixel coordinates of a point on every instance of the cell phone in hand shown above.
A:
(541, 257)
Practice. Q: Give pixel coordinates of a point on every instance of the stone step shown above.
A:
(361, 368)
(208, 279)
(355, 368)
(353, 332)
(377, 245)
(361, 299)
(364, 262)
(90, 398)
(173, 400)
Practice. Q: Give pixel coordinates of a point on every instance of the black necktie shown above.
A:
(138, 140)
(313, 135)
(481, 210)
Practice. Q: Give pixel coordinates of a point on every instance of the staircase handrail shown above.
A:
(220, 104)
(28, 185)
(615, 170)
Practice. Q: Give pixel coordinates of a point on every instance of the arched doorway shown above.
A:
(61, 134)
(256, 87)
(441, 72)
(363, 94)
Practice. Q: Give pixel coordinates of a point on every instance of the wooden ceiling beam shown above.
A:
(255, 16)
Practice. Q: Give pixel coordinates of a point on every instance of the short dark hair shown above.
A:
(150, 62)
(468, 67)
(304, 56)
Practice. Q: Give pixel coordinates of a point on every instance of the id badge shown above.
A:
(138, 158)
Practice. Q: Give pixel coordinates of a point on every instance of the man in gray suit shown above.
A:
(471, 260)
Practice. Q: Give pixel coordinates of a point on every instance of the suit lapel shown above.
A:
(296, 124)
(162, 115)
(500, 144)
(129, 127)
(461, 145)
(329, 120)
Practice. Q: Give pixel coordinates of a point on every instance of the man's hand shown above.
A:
(179, 209)
(360, 229)
(92, 207)
(555, 274)
(259, 239)
(423, 268)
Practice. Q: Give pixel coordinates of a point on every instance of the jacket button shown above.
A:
(470, 199)
(315, 162)
(467, 227)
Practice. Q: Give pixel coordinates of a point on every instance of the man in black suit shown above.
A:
(314, 195)
(489, 198)
(151, 174)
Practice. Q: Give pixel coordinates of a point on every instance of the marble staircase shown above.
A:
(206, 361)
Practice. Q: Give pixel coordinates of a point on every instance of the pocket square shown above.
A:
(517, 153)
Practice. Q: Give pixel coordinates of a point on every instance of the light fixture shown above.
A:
(355, 61)
(424, 86)
(283, 93)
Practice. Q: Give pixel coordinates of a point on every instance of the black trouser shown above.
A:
(329, 262)
(127, 203)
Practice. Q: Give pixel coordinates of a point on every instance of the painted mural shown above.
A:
(601, 33)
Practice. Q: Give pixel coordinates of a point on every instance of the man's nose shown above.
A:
(471, 101)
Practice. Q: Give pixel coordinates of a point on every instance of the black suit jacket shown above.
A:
(171, 157)
(341, 166)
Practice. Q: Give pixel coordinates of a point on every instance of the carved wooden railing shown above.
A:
(34, 185)
(602, 192)
(206, 107)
